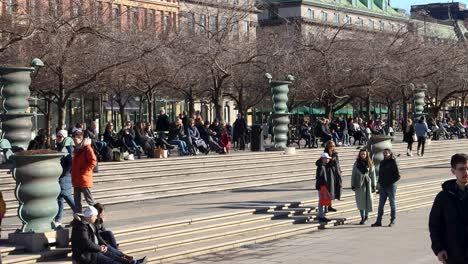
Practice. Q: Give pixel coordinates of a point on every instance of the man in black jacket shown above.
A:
(89, 248)
(389, 174)
(448, 220)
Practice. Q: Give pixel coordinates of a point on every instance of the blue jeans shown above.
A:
(61, 199)
(181, 144)
(385, 192)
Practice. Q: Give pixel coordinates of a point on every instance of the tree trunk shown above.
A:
(368, 105)
(329, 110)
(122, 113)
(218, 104)
(150, 101)
(49, 119)
(191, 101)
(240, 101)
(62, 113)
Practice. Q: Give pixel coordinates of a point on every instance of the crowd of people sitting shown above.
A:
(341, 131)
(191, 136)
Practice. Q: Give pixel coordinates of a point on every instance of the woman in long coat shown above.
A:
(363, 183)
(330, 148)
(408, 133)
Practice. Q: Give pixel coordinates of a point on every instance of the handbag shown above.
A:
(415, 138)
(325, 197)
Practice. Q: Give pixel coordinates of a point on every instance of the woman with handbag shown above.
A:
(324, 183)
(363, 183)
(330, 149)
(409, 136)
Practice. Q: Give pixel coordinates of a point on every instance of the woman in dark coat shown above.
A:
(408, 133)
(240, 129)
(330, 148)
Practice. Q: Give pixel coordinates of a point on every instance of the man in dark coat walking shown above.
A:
(448, 220)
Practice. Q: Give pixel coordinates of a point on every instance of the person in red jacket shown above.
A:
(83, 164)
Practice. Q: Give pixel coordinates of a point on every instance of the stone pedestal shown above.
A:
(37, 242)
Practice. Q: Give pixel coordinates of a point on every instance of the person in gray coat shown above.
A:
(363, 183)
(421, 130)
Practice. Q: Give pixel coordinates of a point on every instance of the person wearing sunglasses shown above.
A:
(448, 220)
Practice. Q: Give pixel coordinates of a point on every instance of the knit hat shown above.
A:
(90, 211)
(77, 131)
(62, 133)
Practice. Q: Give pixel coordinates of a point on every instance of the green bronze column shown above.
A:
(419, 101)
(376, 145)
(16, 122)
(280, 115)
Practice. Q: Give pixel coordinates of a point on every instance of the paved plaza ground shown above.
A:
(407, 242)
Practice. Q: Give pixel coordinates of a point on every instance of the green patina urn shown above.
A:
(37, 187)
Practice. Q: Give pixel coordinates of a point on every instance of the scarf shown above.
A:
(362, 166)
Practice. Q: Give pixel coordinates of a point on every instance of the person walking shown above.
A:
(324, 179)
(363, 184)
(389, 174)
(83, 164)
(448, 219)
(64, 144)
(330, 148)
(408, 136)
(421, 130)
(240, 131)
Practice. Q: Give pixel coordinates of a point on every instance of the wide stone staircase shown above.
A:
(191, 235)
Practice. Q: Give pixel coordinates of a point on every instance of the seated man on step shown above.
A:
(89, 248)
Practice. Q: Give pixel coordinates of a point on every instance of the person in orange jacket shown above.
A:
(83, 164)
(2, 211)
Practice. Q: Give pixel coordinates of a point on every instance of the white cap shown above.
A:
(325, 155)
(62, 133)
(90, 211)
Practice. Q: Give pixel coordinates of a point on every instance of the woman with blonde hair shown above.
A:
(363, 183)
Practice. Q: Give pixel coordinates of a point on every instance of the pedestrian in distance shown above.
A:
(324, 179)
(448, 220)
(330, 148)
(408, 136)
(389, 174)
(363, 184)
(64, 144)
(84, 161)
(421, 130)
(2, 212)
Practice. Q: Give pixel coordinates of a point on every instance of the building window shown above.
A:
(133, 18)
(360, 22)
(235, 30)
(213, 24)
(324, 16)
(150, 19)
(167, 22)
(76, 7)
(336, 18)
(98, 12)
(11, 6)
(235, 2)
(202, 23)
(223, 23)
(246, 29)
(245, 2)
(33, 7)
(310, 14)
(191, 21)
(371, 24)
(55, 7)
(382, 25)
(349, 20)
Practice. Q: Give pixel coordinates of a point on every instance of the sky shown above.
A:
(406, 4)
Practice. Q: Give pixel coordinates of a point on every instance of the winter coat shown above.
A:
(38, 143)
(240, 128)
(176, 133)
(363, 185)
(388, 172)
(84, 248)
(324, 176)
(448, 222)
(408, 136)
(92, 134)
(2, 206)
(83, 164)
(162, 123)
(421, 129)
(66, 161)
(225, 140)
(336, 171)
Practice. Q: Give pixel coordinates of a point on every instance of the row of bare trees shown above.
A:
(333, 66)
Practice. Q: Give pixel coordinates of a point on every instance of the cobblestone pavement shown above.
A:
(407, 242)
